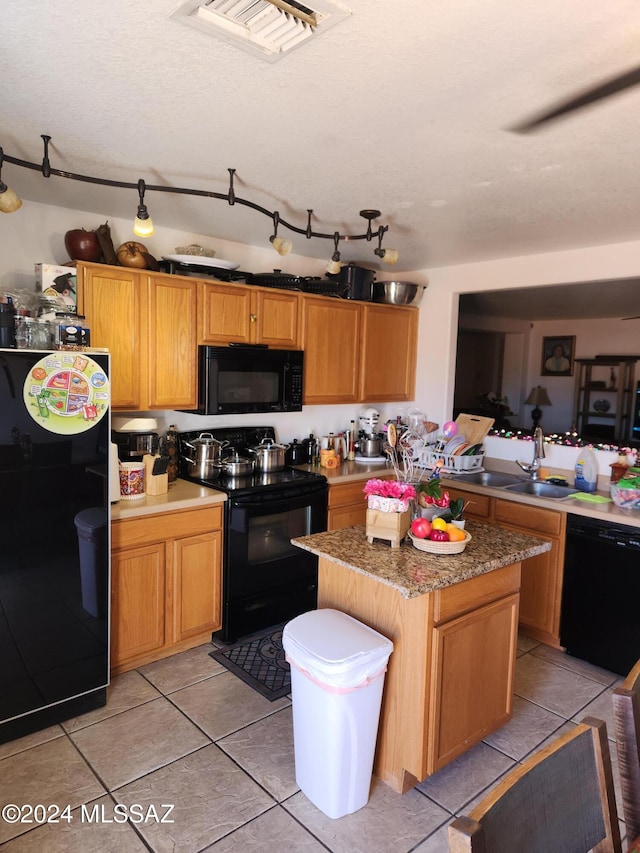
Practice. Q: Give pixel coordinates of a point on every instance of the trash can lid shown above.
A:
(335, 648)
(92, 518)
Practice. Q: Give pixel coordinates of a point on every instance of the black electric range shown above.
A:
(265, 579)
(241, 439)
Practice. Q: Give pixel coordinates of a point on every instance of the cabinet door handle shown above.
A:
(253, 318)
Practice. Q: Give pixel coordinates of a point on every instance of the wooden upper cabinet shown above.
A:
(278, 318)
(331, 340)
(388, 366)
(110, 298)
(148, 323)
(248, 315)
(172, 343)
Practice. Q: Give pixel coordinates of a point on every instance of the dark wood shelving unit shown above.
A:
(593, 381)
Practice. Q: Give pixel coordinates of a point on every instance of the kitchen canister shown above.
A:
(131, 481)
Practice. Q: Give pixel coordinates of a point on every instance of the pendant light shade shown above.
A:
(143, 224)
(9, 201)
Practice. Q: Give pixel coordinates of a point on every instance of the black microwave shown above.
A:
(239, 380)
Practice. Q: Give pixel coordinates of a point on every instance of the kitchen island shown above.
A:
(453, 621)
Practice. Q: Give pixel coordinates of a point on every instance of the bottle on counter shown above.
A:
(351, 451)
(310, 445)
(170, 449)
(586, 470)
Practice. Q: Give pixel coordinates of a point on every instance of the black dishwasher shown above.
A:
(600, 615)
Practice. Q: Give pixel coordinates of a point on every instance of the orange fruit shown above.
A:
(455, 534)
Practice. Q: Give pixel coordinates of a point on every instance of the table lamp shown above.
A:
(537, 397)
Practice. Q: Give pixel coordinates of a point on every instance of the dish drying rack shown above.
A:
(453, 464)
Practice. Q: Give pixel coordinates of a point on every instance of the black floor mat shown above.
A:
(260, 663)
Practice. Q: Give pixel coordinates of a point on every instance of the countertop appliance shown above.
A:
(134, 437)
(54, 528)
(265, 579)
(599, 616)
(248, 379)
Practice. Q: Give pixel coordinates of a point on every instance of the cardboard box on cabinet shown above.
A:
(53, 280)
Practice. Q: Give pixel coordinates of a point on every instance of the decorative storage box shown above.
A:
(392, 526)
(388, 504)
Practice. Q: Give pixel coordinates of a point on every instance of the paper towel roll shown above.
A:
(114, 473)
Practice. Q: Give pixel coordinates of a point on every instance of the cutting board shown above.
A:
(474, 427)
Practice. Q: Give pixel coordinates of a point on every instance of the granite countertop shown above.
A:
(182, 494)
(606, 511)
(350, 471)
(412, 572)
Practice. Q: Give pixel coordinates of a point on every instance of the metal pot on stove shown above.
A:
(235, 465)
(207, 452)
(269, 455)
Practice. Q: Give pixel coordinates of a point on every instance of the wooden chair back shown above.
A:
(626, 714)
(561, 800)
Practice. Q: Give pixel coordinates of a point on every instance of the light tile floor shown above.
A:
(185, 732)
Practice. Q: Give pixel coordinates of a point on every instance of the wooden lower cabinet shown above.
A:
(165, 584)
(541, 593)
(541, 589)
(347, 503)
(450, 677)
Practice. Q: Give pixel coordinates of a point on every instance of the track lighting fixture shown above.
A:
(389, 256)
(143, 224)
(281, 244)
(9, 201)
(333, 266)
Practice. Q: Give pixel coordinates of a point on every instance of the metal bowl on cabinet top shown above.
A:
(398, 292)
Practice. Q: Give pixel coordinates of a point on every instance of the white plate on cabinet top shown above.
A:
(198, 261)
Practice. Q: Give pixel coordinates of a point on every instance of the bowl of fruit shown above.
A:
(438, 536)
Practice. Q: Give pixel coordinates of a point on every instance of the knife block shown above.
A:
(157, 484)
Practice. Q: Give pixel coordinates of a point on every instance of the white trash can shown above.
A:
(337, 674)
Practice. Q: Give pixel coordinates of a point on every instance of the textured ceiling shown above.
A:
(402, 107)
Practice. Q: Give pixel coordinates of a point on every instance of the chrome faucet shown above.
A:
(533, 467)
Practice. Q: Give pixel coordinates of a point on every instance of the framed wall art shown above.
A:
(558, 356)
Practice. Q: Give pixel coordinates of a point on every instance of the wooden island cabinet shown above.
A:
(453, 621)
(166, 571)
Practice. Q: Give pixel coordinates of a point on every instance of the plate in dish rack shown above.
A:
(444, 548)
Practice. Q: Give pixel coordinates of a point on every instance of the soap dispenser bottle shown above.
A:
(586, 470)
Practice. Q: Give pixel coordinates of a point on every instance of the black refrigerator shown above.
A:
(54, 537)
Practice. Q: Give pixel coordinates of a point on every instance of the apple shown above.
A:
(82, 245)
(439, 536)
(421, 528)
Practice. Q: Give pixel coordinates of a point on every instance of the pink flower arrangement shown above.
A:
(390, 489)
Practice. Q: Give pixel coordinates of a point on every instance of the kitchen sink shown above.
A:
(540, 489)
(489, 478)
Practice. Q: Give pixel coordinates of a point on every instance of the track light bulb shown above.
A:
(390, 256)
(143, 225)
(281, 245)
(9, 201)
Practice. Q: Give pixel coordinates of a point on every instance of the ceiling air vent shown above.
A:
(267, 28)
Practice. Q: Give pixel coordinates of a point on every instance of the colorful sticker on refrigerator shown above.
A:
(66, 393)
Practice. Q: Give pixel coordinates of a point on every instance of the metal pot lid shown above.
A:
(206, 438)
(269, 444)
(235, 458)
